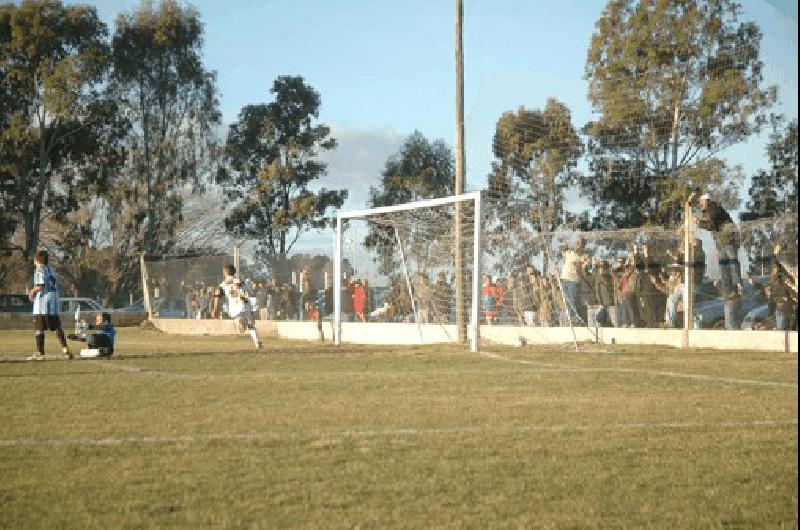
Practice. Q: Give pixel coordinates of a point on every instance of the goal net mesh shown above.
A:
(401, 266)
(182, 286)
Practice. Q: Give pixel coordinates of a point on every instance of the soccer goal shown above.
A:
(416, 263)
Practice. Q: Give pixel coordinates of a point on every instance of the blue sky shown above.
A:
(385, 68)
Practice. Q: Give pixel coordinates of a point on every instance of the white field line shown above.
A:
(541, 367)
(664, 373)
(380, 433)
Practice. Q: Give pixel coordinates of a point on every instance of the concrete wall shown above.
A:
(25, 320)
(391, 333)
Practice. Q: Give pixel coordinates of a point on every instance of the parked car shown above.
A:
(169, 308)
(710, 307)
(758, 319)
(15, 303)
(86, 305)
(136, 307)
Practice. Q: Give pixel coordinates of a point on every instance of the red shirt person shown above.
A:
(360, 301)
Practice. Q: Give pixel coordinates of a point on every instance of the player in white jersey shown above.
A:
(46, 302)
(238, 301)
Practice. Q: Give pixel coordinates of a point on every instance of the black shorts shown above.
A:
(46, 322)
(98, 340)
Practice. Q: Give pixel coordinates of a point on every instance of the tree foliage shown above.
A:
(536, 154)
(421, 169)
(673, 83)
(59, 131)
(272, 161)
(160, 80)
(773, 191)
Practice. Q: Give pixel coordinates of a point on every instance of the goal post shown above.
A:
(429, 249)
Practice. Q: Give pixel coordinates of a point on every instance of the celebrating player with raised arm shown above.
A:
(238, 299)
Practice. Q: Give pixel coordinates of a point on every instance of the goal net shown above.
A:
(181, 286)
(416, 263)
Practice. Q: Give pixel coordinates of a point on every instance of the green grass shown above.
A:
(202, 431)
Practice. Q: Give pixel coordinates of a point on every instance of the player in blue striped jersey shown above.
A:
(46, 301)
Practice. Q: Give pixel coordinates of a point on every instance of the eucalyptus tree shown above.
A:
(673, 84)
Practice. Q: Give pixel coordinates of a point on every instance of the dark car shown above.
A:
(15, 303)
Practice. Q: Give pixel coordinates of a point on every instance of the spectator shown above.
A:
(489, 299)
(442, 295)
(531, 285)
(717, 220)
(782, 295)
(517, 292)
(261, 299)
(629, 289)
(424, 297)
(359, 300)
(500, 299)
(559, 314)
(617, 315)
(587, 287)
(650, 303)
(674, 288)
(571, 278)
(603, 291)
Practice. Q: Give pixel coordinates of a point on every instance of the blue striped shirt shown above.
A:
(47, 299)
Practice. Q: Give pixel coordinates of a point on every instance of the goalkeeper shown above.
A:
(101, 343)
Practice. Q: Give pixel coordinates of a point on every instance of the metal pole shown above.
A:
(460, 171)
(476, 275)
(337, 284)
(145, 288)
(408, 285)
(688, 275)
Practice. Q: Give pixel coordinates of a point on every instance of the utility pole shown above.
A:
(460, 170)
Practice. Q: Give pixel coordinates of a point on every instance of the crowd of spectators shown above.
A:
(592, 285)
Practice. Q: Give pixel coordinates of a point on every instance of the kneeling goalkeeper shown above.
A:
(103, 339)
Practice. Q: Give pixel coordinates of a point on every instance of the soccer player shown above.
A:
(103, 340)
(232, 288)
(46, 301)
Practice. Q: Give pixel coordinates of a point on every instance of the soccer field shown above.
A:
(192, 431)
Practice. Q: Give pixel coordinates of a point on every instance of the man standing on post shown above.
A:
(718, 221)
(46, 301)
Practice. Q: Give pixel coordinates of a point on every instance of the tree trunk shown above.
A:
(674, 137)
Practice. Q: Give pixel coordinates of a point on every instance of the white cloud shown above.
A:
(358, 160)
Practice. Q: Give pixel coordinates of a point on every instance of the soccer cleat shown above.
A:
(36, 357)
(66, 353)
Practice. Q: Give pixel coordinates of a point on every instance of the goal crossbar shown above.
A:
(341, 217)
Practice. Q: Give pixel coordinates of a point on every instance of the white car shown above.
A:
(86, 305)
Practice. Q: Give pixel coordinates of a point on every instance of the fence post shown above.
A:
(145, 289)
(688, 275)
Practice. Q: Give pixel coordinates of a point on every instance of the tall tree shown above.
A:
(53, 59)
(159, 77)
(773, 198)
(421, 169)
(271, 162)
(773, 191)
(536, 153)
(673, 83)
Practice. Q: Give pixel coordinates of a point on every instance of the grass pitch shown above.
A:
(202, 431)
